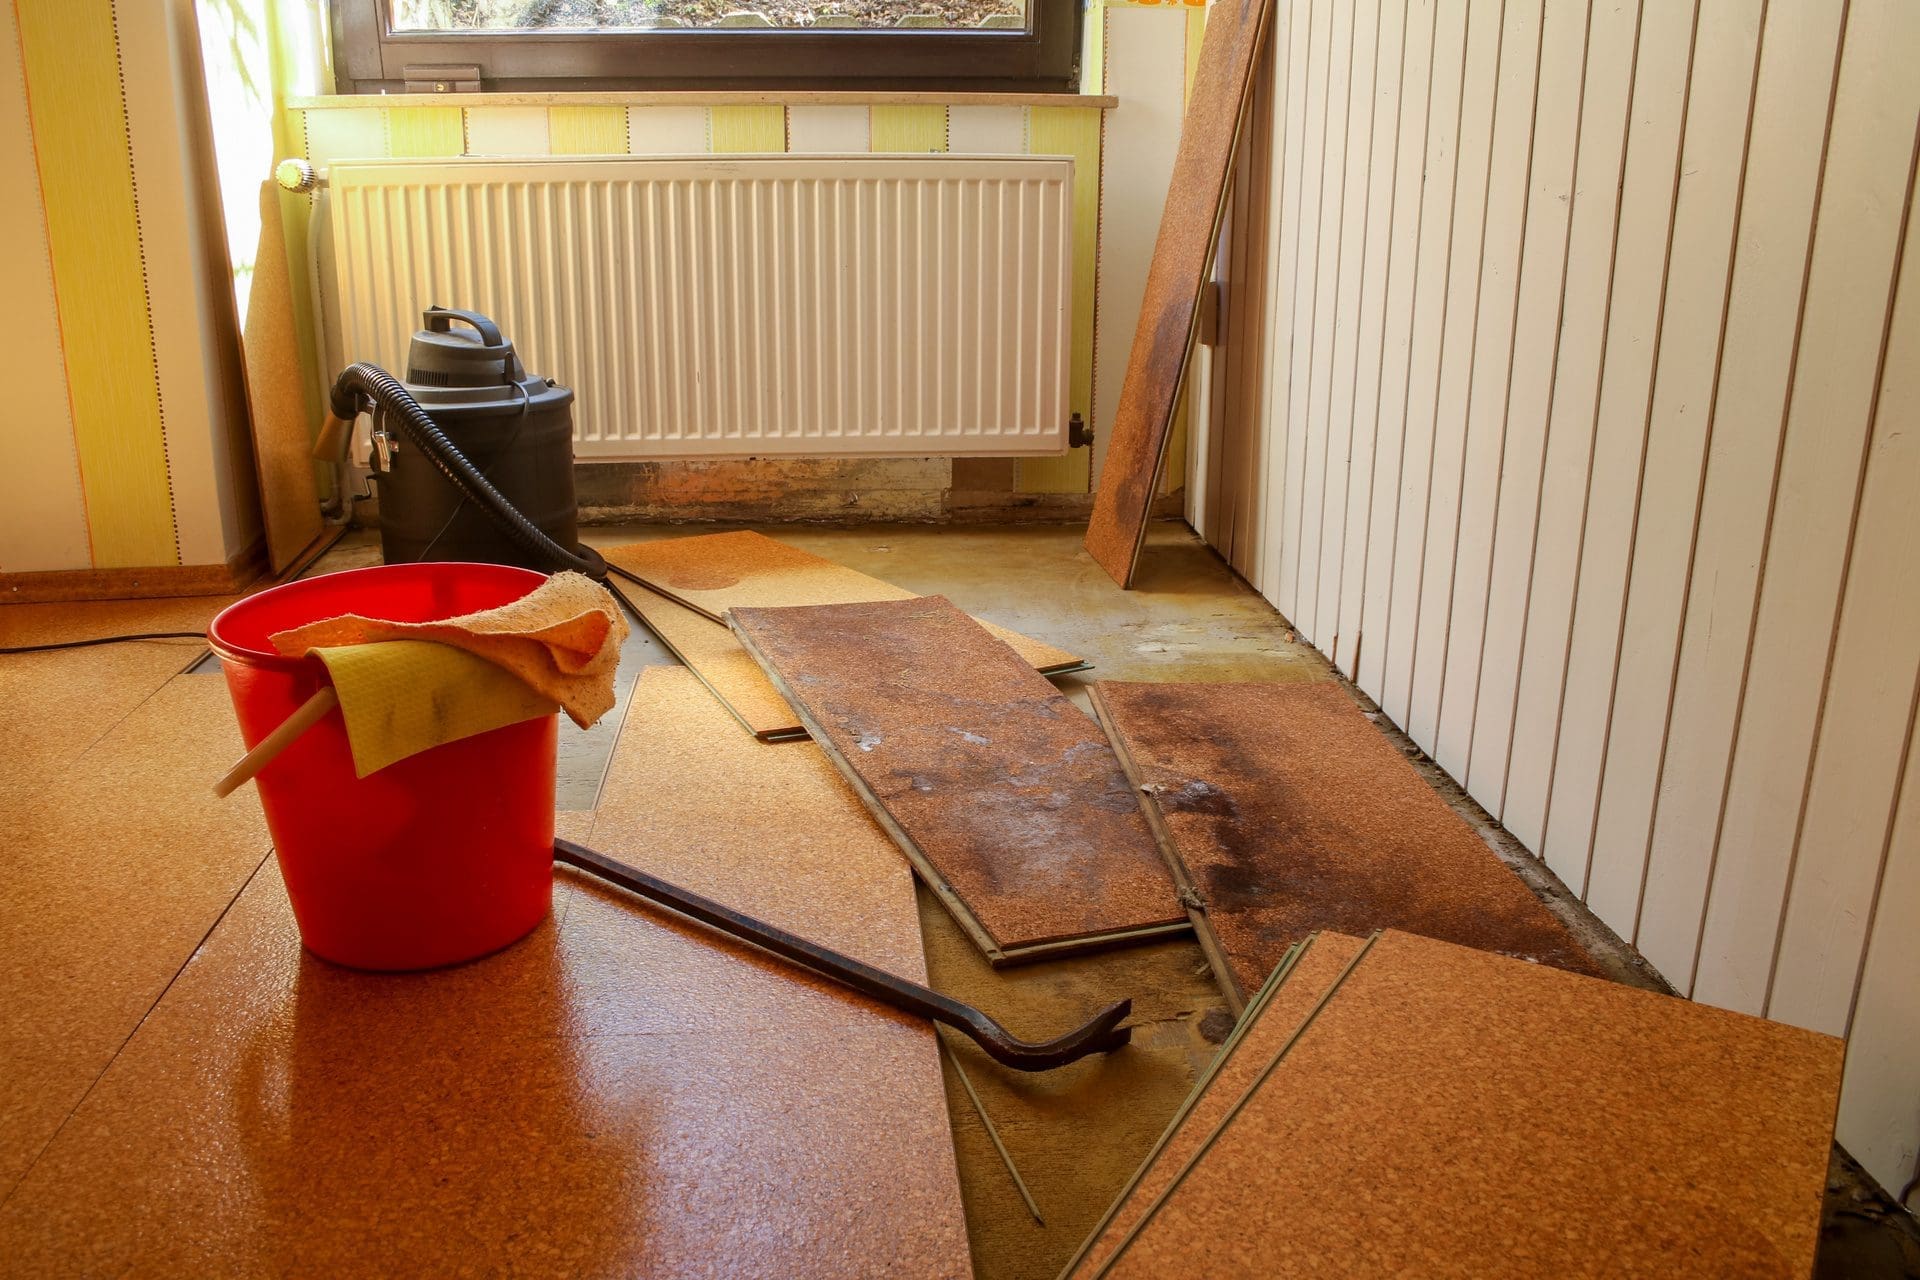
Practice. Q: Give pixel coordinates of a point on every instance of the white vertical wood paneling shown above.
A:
(1642, 240)
(1305, 262)
(1344, 326)
(1486, 29)
(1849, 287)
(1290, 44)
(1246, 279)
(1559, 141)
(1503, 244)
(1706, 210)
(1323, 302)
(1866, 726)
(1591, 354)
(1383, 130)
(1396, 344)
(1423, 364)
(1572, 403)
(1880, 1105)
(1799, 46)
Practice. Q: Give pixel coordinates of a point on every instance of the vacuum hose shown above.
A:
(363, 387)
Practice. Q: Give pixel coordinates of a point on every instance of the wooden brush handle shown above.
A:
(304, 718)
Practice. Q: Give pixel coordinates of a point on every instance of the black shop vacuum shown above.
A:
(472, 454)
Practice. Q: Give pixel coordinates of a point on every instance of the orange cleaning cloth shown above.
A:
(563, 640)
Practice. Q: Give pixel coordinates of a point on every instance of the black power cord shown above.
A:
(82, 644)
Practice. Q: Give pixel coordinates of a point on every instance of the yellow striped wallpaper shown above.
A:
(70, 56)
(748, 128)
(908, 129)
(587, 131)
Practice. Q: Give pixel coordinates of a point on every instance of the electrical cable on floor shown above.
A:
(82, 644)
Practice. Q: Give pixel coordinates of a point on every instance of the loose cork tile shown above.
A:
(1283, 810)
(729, 672)
(119, 860)
(1452, 1112)
(1265, 1026)
(713, 572)
(1007, 799)
(620, 1092)
(1143, 422)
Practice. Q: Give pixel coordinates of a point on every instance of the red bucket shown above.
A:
(441, 857)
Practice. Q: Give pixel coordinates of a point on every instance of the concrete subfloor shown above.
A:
(1077, 1134)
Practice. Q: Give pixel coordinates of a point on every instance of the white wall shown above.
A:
(1591, 369)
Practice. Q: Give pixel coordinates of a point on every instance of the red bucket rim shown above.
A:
(247, 655)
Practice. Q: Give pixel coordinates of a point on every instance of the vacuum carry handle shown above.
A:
(440, 320)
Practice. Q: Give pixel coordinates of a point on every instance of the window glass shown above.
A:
(652, 15)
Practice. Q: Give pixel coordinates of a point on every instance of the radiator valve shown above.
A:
(1079, 434)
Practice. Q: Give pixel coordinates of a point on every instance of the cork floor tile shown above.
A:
(616, 1094)
(1008, 798)
(1451, 1112)
(711, 653)
(57, 704)
(118, 862)
(714, 572)
(1287, 811)
(1265, 1028)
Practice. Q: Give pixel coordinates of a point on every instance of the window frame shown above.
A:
(369, 57)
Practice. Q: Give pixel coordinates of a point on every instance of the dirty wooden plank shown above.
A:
(1396, 1127)
(1007, 798)
(713, 572)
(1284, 810)
(1163, 339)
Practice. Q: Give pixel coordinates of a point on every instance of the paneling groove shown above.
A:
(1586, 448)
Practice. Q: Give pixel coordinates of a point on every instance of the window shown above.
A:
(945, 45)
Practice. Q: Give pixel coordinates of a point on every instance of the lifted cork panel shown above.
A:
(1452, 1112)
(1007, 798)
(1284, 810)
(1286, 999)
(715, 572)
(1182, 254)
(715, 657)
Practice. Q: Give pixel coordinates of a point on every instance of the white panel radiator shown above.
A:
(718, 307)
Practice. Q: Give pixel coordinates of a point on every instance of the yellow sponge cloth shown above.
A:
(563, 639)
(400, 697)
